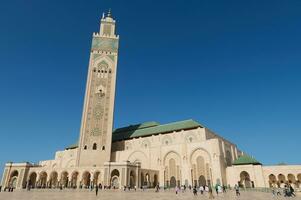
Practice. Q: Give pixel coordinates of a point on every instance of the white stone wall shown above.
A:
(260, 174)
(152, 152)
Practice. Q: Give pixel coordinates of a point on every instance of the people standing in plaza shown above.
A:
(236, 187)
(206, 188)
(224, 189)
(96, 190)
(278, 193)
(195, 192)
(286, 191)
(292, 191)
(273, 191)
(216, 189)
(202, 189)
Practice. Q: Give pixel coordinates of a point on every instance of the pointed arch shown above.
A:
(86, 179)
(96, 178)
(169, 154)
(103, 58)
(139, 156)
(13, 178)
(245, 179)
(74, 177)
(272, 180)
(32, 179)
(200, 151)
(173, 166)
(42, 179)
(53, 181)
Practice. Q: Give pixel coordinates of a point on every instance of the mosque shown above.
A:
(142, 155)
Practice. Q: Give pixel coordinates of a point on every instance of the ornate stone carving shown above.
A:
(95, 132)
(104, 44)
(98, 111)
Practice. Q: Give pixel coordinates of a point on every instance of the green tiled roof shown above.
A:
(148, 129)
(246, 160)
(136, 126)
(152, 128)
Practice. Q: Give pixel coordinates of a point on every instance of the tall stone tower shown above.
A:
(97, 118)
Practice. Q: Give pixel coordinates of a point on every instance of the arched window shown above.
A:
(103, 148)
(94, 146)
(85, 147)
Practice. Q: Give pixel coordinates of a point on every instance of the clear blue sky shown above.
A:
(234, 66)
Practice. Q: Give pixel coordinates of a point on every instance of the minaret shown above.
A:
(97, 119)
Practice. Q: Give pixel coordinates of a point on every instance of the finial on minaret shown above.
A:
(109, 13)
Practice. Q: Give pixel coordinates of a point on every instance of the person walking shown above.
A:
(177, 189)
(96, 190)
(236, 187)
(0, 188)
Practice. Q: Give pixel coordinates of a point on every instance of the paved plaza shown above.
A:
(128, 195)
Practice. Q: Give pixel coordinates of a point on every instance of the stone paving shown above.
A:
(128, 195)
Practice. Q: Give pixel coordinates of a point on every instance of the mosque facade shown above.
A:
(141, 155)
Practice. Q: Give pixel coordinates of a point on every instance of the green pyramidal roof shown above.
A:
(246, 160)
(148, 129)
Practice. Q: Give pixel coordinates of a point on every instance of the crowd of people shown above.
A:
(8, 189)
(287, 191)
(203, 189)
